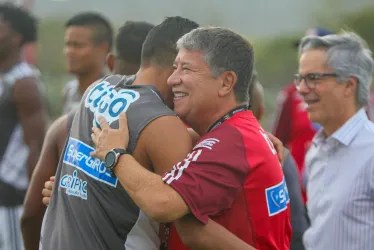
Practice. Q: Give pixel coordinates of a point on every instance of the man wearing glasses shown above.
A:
(335, 73)
(292, 125)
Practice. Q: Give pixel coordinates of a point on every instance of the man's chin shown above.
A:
(181, 115)
(314, 117)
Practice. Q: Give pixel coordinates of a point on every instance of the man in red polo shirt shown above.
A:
(232, 175)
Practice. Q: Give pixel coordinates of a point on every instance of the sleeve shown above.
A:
(298, 220)
(211, 176)
(282, 123)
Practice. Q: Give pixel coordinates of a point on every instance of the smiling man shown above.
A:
(232, 175)
(89, 208)
(335, 73)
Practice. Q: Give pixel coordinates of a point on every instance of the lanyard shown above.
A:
(228, 116)
(164, 244)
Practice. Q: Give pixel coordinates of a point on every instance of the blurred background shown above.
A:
(272, 26)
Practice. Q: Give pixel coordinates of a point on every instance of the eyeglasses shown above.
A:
(311, 79)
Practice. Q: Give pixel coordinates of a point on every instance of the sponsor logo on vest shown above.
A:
(277, 198)
(104, 100)
(74, 186)
(77, 154)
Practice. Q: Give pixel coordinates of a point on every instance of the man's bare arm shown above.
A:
(196, 235)
(34, 209)
(30, 108)
(168, 142)
(149, 190)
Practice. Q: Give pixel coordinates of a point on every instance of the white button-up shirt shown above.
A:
(340, 187)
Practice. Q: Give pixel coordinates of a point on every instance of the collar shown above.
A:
(345, 133)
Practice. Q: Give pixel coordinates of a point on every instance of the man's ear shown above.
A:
(229, 79)
(17, 38)
(351, 86)
(110, 61)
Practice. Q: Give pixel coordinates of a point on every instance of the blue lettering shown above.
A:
(104, 100)
(74, 186)
(97, 100)
(277, 198)
(103, 106)
(78, 155)
(122, 106)
(95, 92)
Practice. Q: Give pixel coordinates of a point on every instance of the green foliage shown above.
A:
(50, 45)
(362, 23)
(276, 59)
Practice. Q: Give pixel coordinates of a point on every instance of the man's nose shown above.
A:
(174, 79)
(302, 87)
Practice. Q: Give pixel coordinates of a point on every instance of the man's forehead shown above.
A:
(188, 57)
(80, 32)
(312, 60)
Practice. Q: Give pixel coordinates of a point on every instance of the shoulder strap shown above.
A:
(70, 121)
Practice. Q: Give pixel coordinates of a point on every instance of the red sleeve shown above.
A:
(282, 123)
(212, 174)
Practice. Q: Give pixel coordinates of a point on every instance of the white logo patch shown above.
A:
(104, 100)
(207, 143)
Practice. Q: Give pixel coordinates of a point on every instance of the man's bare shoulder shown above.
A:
(166, 141)
(57, 133)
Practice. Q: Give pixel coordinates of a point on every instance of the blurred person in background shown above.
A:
(292, 125)
(29, 51)
(88, 40)
(22, 125)
(128, 45)
(126, 60)
(334, 77)
(299, 221)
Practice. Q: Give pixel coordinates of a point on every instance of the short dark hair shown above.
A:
(130, 39)
(21, 21)
(101, 26)
(160, 45)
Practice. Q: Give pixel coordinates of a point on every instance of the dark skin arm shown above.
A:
(29, 102)
(148, 190)
(34, 209)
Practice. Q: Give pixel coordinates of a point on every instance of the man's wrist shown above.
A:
(123, 160)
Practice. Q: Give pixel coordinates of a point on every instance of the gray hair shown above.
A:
(349, 56)
(223, 50)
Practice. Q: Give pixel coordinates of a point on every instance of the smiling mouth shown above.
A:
(309, 102)
(179, 95)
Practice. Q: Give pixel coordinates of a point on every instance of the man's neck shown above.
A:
(339, 120)
(7, 63)
(203, 124)
(85, 80)
(156, 77)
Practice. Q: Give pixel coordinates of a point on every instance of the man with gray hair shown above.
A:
(232, 175)
(335, 73)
